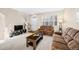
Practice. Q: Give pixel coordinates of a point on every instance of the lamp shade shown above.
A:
(60, 21)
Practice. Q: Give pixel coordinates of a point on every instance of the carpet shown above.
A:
(20, 44)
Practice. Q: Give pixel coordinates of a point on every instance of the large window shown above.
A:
(50, 20)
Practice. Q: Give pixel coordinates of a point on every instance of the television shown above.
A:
(18, 27)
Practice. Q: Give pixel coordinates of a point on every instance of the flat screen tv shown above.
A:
(18, 27)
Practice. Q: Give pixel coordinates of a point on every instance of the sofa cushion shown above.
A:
(59, 46)
(76, 37)
(67, 38)
(58, 39)
(72, 32)
(73, 45)
(65, 32)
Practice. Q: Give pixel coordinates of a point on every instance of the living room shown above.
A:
(48, 21)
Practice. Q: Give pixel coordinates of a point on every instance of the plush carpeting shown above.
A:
(20, 44)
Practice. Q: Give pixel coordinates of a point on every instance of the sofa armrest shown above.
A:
(59, 46)
(58, 33)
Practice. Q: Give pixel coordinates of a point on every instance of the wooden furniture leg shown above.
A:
(27, 42)
(34, 45)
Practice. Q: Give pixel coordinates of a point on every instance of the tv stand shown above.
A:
(18, 32)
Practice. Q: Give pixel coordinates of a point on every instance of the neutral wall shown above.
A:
(2, 26)
(71, 18)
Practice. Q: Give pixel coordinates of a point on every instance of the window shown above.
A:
(50, 21)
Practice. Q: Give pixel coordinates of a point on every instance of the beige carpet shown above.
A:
(20, 44)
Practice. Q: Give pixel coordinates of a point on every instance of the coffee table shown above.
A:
(33, 40)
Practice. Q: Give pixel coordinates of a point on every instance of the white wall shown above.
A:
(71, 18)
(2, 26)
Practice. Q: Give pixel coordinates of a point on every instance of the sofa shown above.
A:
(46, 30)
(68, 40)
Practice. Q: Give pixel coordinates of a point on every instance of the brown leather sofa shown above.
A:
(69, 40)
(46, 30)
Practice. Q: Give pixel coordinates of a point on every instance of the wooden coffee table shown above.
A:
(33, 40)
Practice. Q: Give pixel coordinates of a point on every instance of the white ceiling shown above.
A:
(37, 10)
